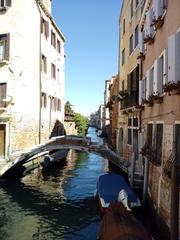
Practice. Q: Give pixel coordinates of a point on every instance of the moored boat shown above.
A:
(113, 187)
(120, 224)
(55, 157)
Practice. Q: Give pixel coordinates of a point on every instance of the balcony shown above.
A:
(69, 118)
(130, 100)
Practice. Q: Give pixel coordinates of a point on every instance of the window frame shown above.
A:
(123, 56)
(131, 45)
(53, 71)
(5, 39)
(53, 39)
(43, 63)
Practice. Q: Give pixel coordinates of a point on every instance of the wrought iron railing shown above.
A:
(130, 100)
(167, 169)
(149, 151)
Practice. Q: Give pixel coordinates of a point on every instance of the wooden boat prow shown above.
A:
(119, 224)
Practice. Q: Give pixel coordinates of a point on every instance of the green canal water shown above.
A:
(56, 204)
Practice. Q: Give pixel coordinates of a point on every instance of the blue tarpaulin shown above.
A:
(109, 185)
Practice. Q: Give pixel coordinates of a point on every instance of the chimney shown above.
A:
(47, 4)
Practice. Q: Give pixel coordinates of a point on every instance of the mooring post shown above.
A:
(132, 169)
(145, 183)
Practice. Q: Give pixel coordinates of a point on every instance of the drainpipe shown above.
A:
(145, 184)
(132, 169)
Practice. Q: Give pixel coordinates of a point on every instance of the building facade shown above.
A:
(31, 75)
(128, 138)
(159, 96)
(112, 105)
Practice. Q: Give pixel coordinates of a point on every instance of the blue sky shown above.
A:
(91, 29)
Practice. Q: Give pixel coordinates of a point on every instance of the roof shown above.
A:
(43, 8)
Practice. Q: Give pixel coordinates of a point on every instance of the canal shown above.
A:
(56, 204)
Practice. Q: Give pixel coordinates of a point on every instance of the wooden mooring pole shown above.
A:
(175, 201)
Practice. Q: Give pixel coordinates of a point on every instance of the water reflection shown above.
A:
(56, 204)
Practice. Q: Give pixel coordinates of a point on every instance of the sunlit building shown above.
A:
(128, 138)
(113, 106)
(159, 96)
(31, 75)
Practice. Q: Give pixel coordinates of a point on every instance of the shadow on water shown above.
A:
(54, 204)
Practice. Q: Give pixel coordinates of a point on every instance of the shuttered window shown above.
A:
(58, 46)
(4, 46)
(53, 71)
(158, 142)
(43, 63)
(177, 142)
(43, 100)
(131, 44)
(123, 56)
(45, 27)
(136, 36)
(2, 95)
(5, 3)
(53, 39)
(124, 26)
(59, 105)
(149, 134)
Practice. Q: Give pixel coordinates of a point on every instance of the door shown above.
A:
(2, 139)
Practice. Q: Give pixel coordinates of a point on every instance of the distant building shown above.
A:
(100, 115)
(93, 119)
(31, 75)
(113, 107)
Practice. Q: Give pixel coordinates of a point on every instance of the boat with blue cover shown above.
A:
(111, 188)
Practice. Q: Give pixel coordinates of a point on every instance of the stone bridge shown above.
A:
(63, 142)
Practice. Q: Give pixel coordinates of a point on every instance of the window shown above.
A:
(129, 136)
(131, 9)
(136, 36)
(149, 134)
(122, 85)
(58, 76)
(53, 39)
(124, 26)
(2, 95)
(132, 129)
(135, 122)
(43, 64)
(4, 47)
(53, 71)
(59, 105)
(123, 56)
(45, 27)
(158, 142)
(43, 100)
(5, 3)
(53, 104)
(131, 44)
(136, 3)
(177, 141)
(58, 46)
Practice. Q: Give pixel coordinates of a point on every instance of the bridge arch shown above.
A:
(64, 142)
